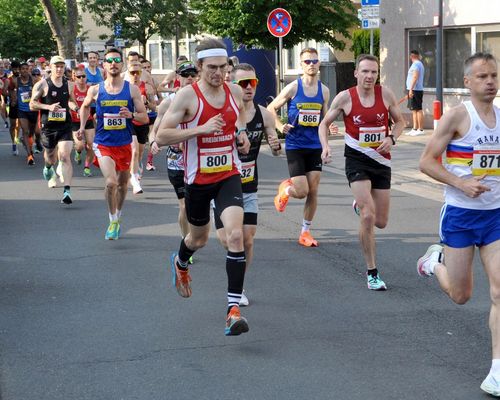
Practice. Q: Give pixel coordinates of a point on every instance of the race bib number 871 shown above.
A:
(486, 160)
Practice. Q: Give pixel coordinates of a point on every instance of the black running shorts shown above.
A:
(176, 177)
(359, 167)
(415, 103)
(142, 133)
(302, 161)
(51, 138)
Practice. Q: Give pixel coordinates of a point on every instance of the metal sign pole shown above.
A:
(280, 67)
(371, 42)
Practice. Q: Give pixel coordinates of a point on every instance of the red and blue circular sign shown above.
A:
(279, 22)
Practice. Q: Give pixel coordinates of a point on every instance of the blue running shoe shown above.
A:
(375, 283)
(48, 173)
(112, 232)
(235, 323)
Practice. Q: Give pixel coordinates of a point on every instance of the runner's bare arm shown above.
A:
(336, 109)
(179, 110)
(161, 110)
(140, 114)
(72, 104)
(270, 131)
(150, 91)
(169, 79)
(395, 113)
(85, 108)
(286, 94)
(242, 141)
(453, 123)
(326, 99)
(37, 93)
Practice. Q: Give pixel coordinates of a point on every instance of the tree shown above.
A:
(24, 30)
(361, 42)
(245, 21)
(63, 24)
(140, 19)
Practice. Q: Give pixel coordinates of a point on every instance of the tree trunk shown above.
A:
(65, 35)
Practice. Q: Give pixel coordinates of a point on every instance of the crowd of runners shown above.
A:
(205, 119)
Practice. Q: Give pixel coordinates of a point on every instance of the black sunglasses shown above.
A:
(189, 74)
(80, 76)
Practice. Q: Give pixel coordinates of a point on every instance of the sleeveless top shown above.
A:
(113, 130)
(61, 119)
(142, 89)
(304, 113)
(79, 97)
(366, 127)
(94, 79)
(476, 153)
(24, 94)
(211, 157)
(249, 171)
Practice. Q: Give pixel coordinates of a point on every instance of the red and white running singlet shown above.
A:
(367, 127)
(79, 97)
(212, 157)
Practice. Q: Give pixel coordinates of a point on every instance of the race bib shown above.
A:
(309, 114)
(57, 116)
(247, 171)
(486, 160)
(25, 97)
(216, 160)
(114, 122)
(371, 137)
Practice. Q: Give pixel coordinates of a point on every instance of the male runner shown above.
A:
(171, 83)
(11, 93)
(366, 108)
(80, 90)
(27, 119)
(175, 157)
(307, 102)
(117, 104)
(470, 135)
(259, 121)
(146, 66)
(95, 74)
(208, 112)
(54, 98)
(3, 87)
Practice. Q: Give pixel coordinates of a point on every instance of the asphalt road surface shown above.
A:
(84, 318)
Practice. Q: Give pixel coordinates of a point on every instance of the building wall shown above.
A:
(399, 17)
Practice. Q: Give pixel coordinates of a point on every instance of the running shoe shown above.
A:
(136, 186)
(66, 197)
(48, 173)
(18, 140)
(15, 151)
(36, 150)
(433, 254)
(6, 124)
(87, 172)
(235, 323)
(281, 199)
(30, 160)
(411, 132)
(375, 283)
(113, 231)
(52, 183)
(307, 240)
(244, 300)
(59, 172)
(356, 208)
(38, 146)
(191, 260)
(180, 279)
(140, 171)
(150, 166)
(78, 157)
(491, 386)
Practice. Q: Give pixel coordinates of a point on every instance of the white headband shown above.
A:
(211, 53)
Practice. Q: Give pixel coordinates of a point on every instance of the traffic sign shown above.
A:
(370, 23)
(118, 30)
(119, 43)
(279, 22)
(370, 14)
(370, 2)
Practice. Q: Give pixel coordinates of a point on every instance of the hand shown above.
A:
(473, 187)
(274, 143)
(385, 147)
(334, 129)
(326, 155)
(410, 93)
(54, 107)
(214, 124)
(155, 149)
(287, 128)
(126, 113)
(79, 133)
(242, 143)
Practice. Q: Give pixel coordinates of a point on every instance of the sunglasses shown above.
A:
(189, 74)
(80, 76)
(245, 82)
(35, 74)
(117, 60)
(135, 73)
(308, 62)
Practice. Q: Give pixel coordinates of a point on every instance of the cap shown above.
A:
(57, 60)
(35, 71)
(42, 59)
(187, 66)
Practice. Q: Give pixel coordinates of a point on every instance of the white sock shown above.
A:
(495, 367)
(287, 190)
(118, 214)
(113, 217)
(306, 225)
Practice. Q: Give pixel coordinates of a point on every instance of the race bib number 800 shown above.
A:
(216, 160)
(486, 160)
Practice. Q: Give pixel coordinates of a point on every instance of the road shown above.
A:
(84, 318)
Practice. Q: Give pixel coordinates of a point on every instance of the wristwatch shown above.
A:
(393, 140)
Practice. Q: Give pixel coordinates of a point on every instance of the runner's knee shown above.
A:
(235, 238)
(461, 296)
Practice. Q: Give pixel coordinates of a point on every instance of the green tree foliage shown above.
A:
(140, 19)
(361, 42)
(245, 21)
(24, 29)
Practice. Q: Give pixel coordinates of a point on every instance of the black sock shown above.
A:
(373, 272)
(67, 188)
(184, 255)
(235, 268)
(48, 166)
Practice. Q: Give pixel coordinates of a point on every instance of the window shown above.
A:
(154, 55)
(167, 61)
(192, 53)
(456, 48)
(488, 42)
(291, 59)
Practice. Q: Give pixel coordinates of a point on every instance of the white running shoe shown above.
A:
(410, 133)
(52, 182)
(434, 254)
(491, 386)
(136, 186)
(59, 172)
(244, 300)
(417, 132)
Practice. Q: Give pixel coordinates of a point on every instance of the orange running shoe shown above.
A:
(30, 160)
(180, 279)
(235, 323)
(281, 199)
(307, 240)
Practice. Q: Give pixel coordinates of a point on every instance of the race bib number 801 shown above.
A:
(371, 137)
